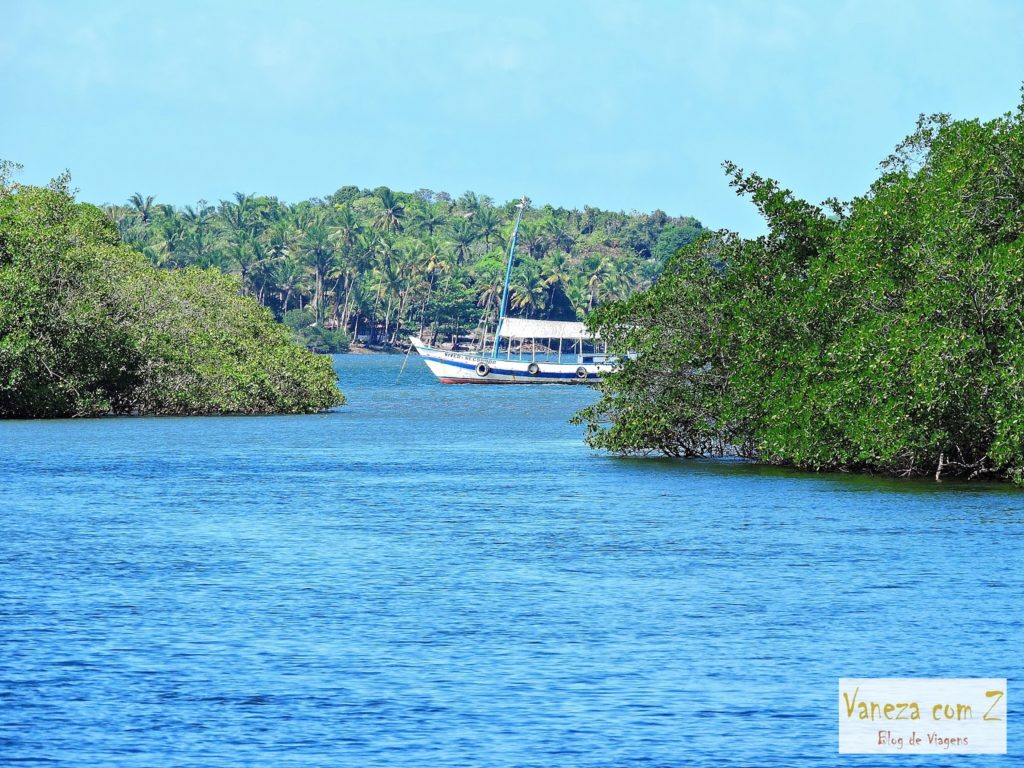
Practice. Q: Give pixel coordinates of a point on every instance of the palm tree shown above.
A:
(116, 213)
(346, 228)
(576, 293)
(528, 289)
(556, 271)
(588, 220)
(376, 264)
(427, 219)
(197, 221)
(233, 221)
(133, 232)
(219, 258)
(623, 281)
(489, 290)
(319, 257)
(389, 219)
(289, 278)
(247, 254)
(244, 203)
(488, 223)
(360, 307)
(559, 235)
(431, 262)
(600, 277)
(533, 238)
(280, 239)
(355, 263)
(463, 235)
(394, 286)
(172, 234)
(469, 202)
(142, 206)
(383, 250)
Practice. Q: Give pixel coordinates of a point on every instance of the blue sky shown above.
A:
(623, 105)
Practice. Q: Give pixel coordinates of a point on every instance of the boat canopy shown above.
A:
(521, 328)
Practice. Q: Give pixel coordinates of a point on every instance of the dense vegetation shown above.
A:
(89, 327)
(375, 264)
(885, 335)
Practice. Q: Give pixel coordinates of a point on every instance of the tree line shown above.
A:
(882, 335)
(376, 264)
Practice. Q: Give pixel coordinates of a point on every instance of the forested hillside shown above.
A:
(882, 335)
(375, 264)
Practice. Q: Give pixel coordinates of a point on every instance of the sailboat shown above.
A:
(534, 352)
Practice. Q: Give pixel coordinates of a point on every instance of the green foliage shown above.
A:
(673, 237)
(329, 341)
(375, 261)
(883, 335)
(88, 326)
(453, 310)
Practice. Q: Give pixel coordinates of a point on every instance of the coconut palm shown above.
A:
(469, 202)
(533, 238)
(389, 218)
(600, 279)
(220, 259)
(280, 239)
(427, 219)
(463, 235)
(133, 232)
(247, 253)
(560, 236)
(172, 234)
(289, 279)
(318, 255)
(489, 290)
(198, 238)
(142, 206)
(432, 263)
(488, 223)
(395, 286)
(346, 228)
(233, 222)
(390, 257)
(528, 289)
(556, 271)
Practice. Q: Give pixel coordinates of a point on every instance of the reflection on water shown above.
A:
(446, 576)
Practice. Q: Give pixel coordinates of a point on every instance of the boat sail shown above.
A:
(536, 351)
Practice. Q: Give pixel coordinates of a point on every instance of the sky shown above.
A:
(624, 105)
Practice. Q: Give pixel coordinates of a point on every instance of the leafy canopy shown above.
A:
(89, 327)
(881, 335)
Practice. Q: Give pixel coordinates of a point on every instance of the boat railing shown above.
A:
(571, 351)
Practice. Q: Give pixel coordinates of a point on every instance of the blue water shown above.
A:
(446, 576)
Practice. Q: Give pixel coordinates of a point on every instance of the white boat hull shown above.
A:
(463, 368)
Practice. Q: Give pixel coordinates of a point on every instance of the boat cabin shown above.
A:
(554, 341)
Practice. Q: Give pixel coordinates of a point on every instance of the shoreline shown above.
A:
(361, 350)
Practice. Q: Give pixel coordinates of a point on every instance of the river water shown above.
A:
(446, 576)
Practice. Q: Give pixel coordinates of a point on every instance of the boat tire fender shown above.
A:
(581, 373)
(533, 369)
(483, 369)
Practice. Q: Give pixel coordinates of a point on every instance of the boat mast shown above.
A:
(508, 276)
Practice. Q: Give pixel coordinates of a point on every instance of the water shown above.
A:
(446, 576)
